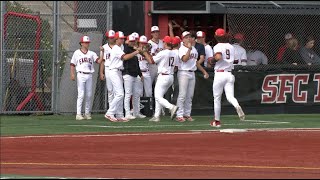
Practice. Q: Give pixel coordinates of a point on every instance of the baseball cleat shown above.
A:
(79, 117)
(123, 119)
(240, 113)
(111, 118)
(154, 119)
(188, 118)
(180, 119)
(215, 123)
(140, 116)
(87, 116)
(173, 111)
(130, 117)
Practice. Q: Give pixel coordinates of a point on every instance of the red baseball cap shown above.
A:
(110, 34)
(220, 32)
(167, 39)
(85, 39)
(119, 35)
(239, 36)
(176, 40)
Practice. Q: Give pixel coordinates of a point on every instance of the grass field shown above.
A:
(66, 124)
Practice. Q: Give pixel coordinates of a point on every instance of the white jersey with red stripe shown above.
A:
(191, 64)
(156, 47)
(166, 60)
(227, 52)
(84, 61)
(116, 57)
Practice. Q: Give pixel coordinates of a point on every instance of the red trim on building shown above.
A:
(147, 18)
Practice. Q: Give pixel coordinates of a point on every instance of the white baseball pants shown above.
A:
(131, 88)
(153, 69)
(84, 83)
(187, 83)
(223, 81)
(162, 85)
(109, 85)
(116, 106)
(147, 84)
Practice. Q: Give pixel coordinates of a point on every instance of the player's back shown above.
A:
(227, 52)
(167, 62)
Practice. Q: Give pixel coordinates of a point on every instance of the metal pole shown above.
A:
(55, 60)
(2, 50)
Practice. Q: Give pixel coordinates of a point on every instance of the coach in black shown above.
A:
(130, 75)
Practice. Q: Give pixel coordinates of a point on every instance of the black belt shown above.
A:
(85, 72)
(188, 70)
(144, 70)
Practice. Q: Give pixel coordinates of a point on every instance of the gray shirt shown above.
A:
(309, 56)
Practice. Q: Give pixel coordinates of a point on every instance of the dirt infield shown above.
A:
(260, 154)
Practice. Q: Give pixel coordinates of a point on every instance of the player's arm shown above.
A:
(100, 58)
(126, 56)
(204, 72)
(101, 72)
(72, 70)
(170, 29)
(186, 57)
(148, 57)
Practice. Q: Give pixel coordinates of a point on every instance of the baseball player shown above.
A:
(117, 56)
(201, 38)
(240, 54)
(130, 74)
(166, 61)
(82, 61)
(104, 66)
(187, 66)
(156, 47)
(223, 78)
(144, 67)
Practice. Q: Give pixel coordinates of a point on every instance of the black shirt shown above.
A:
(292, 56)
(131, 66)
(201, 50)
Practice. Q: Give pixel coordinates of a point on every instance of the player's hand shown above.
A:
(102, 77)
(206, 75)
(142, 78)
(189, 45)
(72, 77)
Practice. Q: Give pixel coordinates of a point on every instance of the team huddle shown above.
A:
(131, 64)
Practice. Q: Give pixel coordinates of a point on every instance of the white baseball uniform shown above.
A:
(83, 63)
(155, 49)
(240, 55)
(187, 80)
(106, 57)
(147, 83)
(223, 78)
(166, 61)
(256, 57)
(209, 53)
(115, 73)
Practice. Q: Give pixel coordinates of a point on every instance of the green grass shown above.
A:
(64, 124)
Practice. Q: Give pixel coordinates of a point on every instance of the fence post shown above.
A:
(55, 74)
(2, 50)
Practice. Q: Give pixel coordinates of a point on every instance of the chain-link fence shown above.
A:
(38, 40)
(282, 38)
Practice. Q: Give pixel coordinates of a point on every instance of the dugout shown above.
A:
(264, 24)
